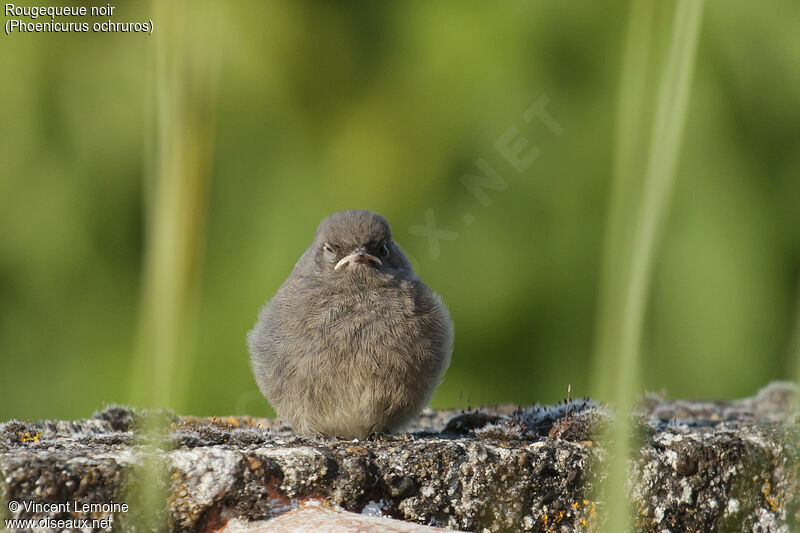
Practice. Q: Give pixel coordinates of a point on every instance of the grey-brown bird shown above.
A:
(353, 343)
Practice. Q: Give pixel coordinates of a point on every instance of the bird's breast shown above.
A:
(363, 320)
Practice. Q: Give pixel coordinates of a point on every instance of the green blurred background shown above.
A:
(281, 113)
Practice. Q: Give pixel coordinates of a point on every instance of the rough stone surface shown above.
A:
(723, 466)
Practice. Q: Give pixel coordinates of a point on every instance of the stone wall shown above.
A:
(723, 466)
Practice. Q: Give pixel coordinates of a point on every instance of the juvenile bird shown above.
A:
(353, 342)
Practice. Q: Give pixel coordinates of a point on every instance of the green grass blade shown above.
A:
(626, 288)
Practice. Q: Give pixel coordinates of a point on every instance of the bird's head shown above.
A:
(357, 241)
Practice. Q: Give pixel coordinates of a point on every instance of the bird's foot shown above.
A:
(380, 436)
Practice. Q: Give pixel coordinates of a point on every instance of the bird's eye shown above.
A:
(383, 250)
(330, 255)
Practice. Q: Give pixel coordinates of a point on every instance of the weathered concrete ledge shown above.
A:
(722, 466)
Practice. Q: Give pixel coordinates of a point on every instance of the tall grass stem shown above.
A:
(179, 149)
(626, 287)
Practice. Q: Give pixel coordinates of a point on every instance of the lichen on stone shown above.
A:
(700, 466)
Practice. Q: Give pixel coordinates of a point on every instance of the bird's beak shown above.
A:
(358, 256)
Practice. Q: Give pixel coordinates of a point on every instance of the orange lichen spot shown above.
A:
(773, 503)
(30, 437)
(327, 504)
(357, 449)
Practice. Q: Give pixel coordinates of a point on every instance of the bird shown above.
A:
(353, 343)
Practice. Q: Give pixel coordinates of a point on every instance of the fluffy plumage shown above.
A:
(353, 342)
